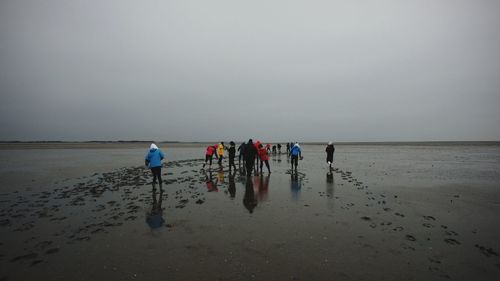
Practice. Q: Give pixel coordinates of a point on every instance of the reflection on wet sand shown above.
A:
(155, 217)
(211, 185)
(330, 188)
(249, 200)
(295, 185)
(262, 187)
(220, 176)
(232, 186)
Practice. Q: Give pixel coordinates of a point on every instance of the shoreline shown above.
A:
(142, 144)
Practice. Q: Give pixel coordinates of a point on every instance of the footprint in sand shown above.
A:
(452, 241)
(434, 260)
(487, 252)
(25, 257)
(451, 233)
(410, 237)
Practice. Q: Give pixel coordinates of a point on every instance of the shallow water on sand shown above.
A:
(386, 212)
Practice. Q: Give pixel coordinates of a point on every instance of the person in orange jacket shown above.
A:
(264, 157)
(256, 144)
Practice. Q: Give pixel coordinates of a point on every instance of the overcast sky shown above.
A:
(273, 70)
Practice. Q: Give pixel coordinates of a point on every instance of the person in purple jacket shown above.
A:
(153, 161)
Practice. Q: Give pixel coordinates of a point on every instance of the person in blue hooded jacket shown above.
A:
(296, 153)
(153, 161)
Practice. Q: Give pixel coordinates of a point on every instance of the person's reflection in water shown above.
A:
(295, 186)
(249, 200)
(256, 184)
(242, 171)
(232, 185)
(211, 185)
(155, 216)
(220, 176)
(330, 187)
(263, 187)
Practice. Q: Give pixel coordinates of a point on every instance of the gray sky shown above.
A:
(273, 70)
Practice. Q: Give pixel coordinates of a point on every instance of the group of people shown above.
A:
(250, 154)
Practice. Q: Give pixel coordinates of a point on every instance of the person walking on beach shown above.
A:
(153, 161)
(330, 149)
(220, 153)
(209, 155)
(250, 154)
(264, 157)
(279, 148)
(232, 155)
(256, 145)
(241, 156)
(295, 153)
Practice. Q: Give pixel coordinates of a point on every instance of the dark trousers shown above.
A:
(231, 163)
(249, 163)
(208, 158)
(156, 174)
(267, 165)
(295, 159)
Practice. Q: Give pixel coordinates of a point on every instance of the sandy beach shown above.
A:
(387, 212)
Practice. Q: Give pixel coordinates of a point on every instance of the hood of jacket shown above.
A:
(153, 147)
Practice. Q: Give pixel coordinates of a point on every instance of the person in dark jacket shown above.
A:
(232, 155)
(241, 156)
(250, 154)
(153, 161)
(330, 149)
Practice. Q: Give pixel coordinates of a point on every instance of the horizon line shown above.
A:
(276, 142)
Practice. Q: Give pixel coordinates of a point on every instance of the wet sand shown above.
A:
(387, 213)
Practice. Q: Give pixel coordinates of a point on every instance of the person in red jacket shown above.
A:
(256, 144)
(209, 155)
(264, 157)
